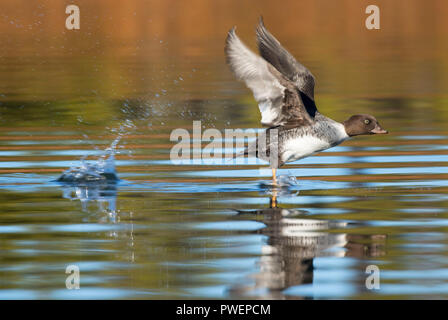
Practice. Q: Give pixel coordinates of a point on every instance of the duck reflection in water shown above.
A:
(294, 240)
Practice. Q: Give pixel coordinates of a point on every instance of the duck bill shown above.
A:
(378, 130)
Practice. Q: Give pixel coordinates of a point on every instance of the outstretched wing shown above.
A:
(277, 99)
(273, 52)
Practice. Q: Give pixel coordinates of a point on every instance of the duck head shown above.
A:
(360, 124)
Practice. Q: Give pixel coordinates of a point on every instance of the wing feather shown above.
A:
(271, 50)
(254, 71)
(279, 101)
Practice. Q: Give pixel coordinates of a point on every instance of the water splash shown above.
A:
(103, 169)
(287, 180)
(286, 186)
(96, 181)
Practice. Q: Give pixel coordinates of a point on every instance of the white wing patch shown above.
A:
(268, 112)
(253, 70)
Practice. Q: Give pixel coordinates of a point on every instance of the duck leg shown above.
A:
(273, 202)
(274, 176)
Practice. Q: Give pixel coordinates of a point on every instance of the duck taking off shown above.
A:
(284, 90)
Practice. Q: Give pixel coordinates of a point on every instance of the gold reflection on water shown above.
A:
(161, 64)
(136, 47)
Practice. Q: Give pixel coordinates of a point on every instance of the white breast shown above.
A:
(301, 147)
(304, 146)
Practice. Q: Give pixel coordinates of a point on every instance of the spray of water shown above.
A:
(103, 169)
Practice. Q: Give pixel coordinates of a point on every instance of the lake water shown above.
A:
(167, 231)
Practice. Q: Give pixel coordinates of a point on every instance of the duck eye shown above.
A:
(366, 121)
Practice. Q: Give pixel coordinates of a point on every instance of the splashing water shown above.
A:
(287, 180)
(286, 186)
(96, 181)
(103, 170)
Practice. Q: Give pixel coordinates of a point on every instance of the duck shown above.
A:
(284, 91)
